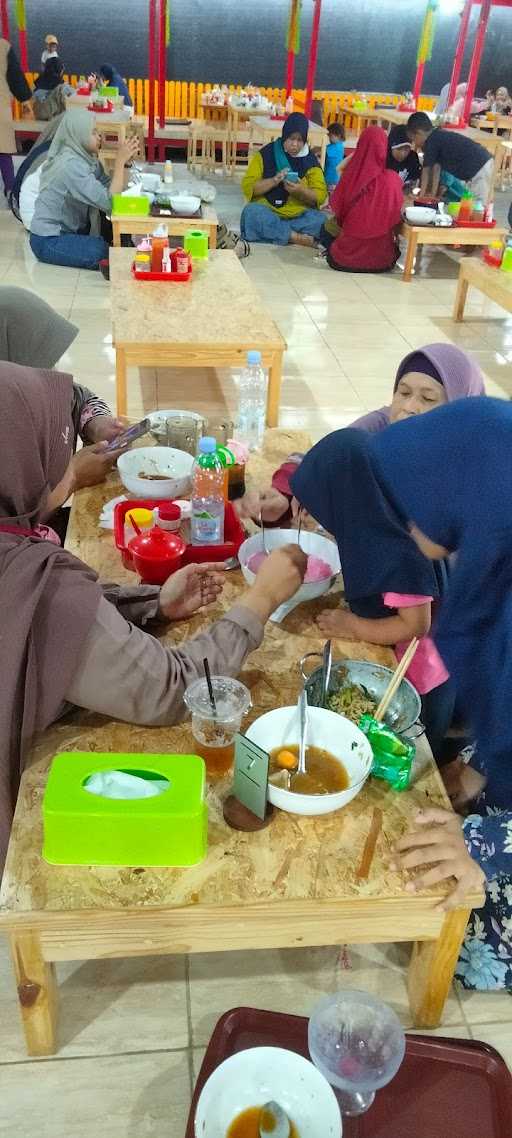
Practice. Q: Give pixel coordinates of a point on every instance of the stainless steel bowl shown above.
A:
(405, 707)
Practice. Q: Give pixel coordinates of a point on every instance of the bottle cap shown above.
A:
(207, 445)
(253, 357)
(169, 513)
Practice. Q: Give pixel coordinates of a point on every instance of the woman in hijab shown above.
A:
(367, 206)
(34, 335)
(390, 587)
(427, 378)
(465, 447)
(73, 186)
(111, 78)
(401, 156)
(51, 77)
(62, 640)
(285, 187)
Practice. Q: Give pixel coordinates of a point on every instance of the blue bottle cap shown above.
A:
(207, 445)
(253, 357)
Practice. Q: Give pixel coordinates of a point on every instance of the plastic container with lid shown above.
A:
(506, 263)
(156, 555)
(466, 206)
(493, 254)
(144, 520)
(143, 262)
(168, 517)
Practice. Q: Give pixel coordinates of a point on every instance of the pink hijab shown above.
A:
(49, 599)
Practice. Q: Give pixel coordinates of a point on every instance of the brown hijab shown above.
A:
(49, 599)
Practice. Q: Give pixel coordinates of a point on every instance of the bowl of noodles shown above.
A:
(356, 688)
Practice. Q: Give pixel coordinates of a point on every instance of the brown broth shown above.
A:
(153, 477)
(246, 1125)
(324, 773)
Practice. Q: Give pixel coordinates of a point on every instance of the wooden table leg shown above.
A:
(274, 389)
(213, 237)
(121, 392)
(432, 967)
(460, 298)
(37, 993)
(410, 255)
(116, 234)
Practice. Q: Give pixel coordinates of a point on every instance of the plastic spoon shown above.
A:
(273, 1121)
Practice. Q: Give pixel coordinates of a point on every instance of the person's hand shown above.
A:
(270, 504)
(293, 188)
(190, 589)
(462, 783)
(103, 428)
(281, 574)
(279, 177)
(128, 150)
(438, 842)
(338, 622)
(92, 464)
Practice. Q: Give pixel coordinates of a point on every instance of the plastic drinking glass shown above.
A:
(214, 732)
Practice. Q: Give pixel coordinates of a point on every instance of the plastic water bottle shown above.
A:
(207, 523)
(252, 403)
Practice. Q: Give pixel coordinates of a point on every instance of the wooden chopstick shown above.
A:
(369, 846)
(396, 680)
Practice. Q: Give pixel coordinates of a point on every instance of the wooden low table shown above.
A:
(493, 282)
(291, 885)
(437, 235)
(176, 226)
(211, 321)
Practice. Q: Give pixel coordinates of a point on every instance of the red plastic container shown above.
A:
(234, 535)
(473, 224)
(445, 1088)
(177, 277)
(156, 554)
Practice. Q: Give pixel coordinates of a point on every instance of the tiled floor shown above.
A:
(133, 1032)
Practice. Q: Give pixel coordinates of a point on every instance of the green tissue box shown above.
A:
(81, 828)
(196, 243)
(109, 92)
(124, 206)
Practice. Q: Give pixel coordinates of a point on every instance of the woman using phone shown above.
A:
(285, 188)
(65, 640)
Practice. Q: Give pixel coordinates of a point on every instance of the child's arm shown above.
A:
(407, 623)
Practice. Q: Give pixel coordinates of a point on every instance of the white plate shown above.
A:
(263, 1074)
(327, 729)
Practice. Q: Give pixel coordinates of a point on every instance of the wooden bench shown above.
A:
(436, 235)
(494, 283)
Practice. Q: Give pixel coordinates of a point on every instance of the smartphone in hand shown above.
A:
(130, 435)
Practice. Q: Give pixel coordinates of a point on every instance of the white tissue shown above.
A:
(118, 784)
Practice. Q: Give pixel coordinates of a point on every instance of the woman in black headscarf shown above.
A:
(401, 156)
(285, 188)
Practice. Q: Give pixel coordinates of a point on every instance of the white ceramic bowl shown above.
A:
(175, 464)
(184, 204)
(420, 214)
(263, 1074)
(314, 543)
(327, 729)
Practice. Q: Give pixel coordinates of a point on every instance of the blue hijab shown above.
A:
(451, 473)
(338, 483)
(114, 79)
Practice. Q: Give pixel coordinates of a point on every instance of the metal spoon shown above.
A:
(303, 715)
(273, 1121)
(326, 672)
(263, 538)
(299, 527)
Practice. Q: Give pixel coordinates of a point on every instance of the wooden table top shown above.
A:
(219, 305)
(268, 124)
(493, 282)
(498, 122)
(454, 234)
(296, 861)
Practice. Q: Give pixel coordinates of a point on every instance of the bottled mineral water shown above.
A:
(207, 523)
(252, 403)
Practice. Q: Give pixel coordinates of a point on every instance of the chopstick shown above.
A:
(396, 680)
(363, 871)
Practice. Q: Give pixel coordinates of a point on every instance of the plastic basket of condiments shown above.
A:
(234, 534)
(140, 274)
